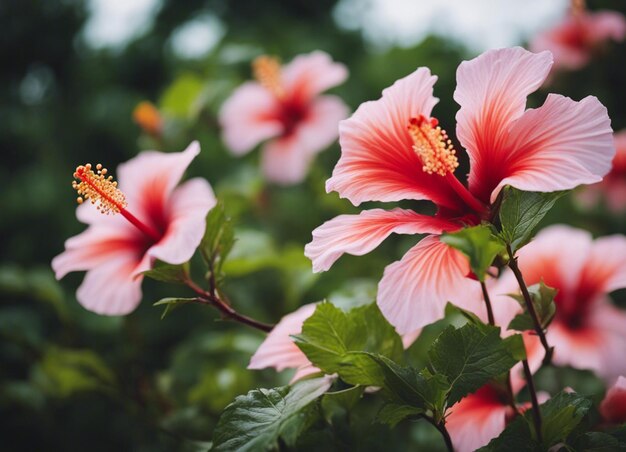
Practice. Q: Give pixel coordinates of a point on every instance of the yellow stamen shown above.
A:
(432, 145)
(98, 188)
(578, 7)
(267, 71)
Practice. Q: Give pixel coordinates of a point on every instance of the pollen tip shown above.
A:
(98, 188)
(267, 71)
(432, 145)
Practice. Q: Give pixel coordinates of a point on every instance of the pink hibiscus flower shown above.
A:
(280, 352)
(588, 331)
(284, 106)
(167, 223)
(392, 150)
(574, 40)
(613, 407)
(613, 187)
(483, 415)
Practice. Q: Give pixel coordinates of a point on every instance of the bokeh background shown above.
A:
(72, 71)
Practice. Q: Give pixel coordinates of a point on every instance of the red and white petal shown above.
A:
(309, 75)
(360, 234)
(278, 349)
(613, 407)
(492, 90)
(558, 146)
(187, 210)
(249, 117)
(415, 290)
(110, 288)
(476, 419)
(566, 42)
(285, 161)
(605, 25)
(377, 160)
(93, 247)
(605, 269)
(320, 127)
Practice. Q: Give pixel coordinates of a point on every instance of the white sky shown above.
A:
(479, 24)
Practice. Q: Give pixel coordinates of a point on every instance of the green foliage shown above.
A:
(256, 421)
(479, 244)
(334, 341)
(180, 100)
(521, 212)
(542, 297)
(172, 303)
(169, 273)
(217, 242)
(470, 356)
(339, 403)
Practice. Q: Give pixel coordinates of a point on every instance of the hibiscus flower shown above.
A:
(613, 407)
(284, 108)
(574, 40)
(392, 150)
(588, 331)
(612, 189)
(152, 219)
(279, 351)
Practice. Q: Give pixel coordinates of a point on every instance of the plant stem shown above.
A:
(533, 398)
(529, 305)
(215, 301)
(487, 303)
(441, 426)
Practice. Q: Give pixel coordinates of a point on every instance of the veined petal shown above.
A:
(415, 290)
(360, 234)
(278, 349)
(558, 146)
(187, 210)
(249, 117)
(308, 75)
(377, 160)
(110, 288)
(492, 90)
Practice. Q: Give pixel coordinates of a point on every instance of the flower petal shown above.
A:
(558, 146)
(308, 75)
(605, 269)
(321, 125)
(278, 349)
(110, 288)
(285, 161)
(377, 160)
(415, 290)
(249, 117)
(492, 90)
(187, 210)
(360, 234)
(613, 407)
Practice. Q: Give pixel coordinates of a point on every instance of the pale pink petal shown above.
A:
(415, 290)
(320, 127)
(616, 195)
(613, 407)
(110, 288)
(492, 90)
(285, 161)
(304, 371)
(558, 146)
(566, 41)
(249, 117)
(476, 420)
(187, 210)
(605, 25)
(377, 161)
(308, 75)
(278, 349)
(92, 248)
(605, 269)
(360, 234)
(409, 338)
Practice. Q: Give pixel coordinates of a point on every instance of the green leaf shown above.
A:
(256, 420)
(299, 423)
(393, 413)
(172, 303)
(469, 315)
(181, 97)
(470, 356)
(334, 341)
(521, 212)
(340, 402)
(479, 244)
(560, 415)
(516, 437)
(597, 442)
(169, 273)
(218, 240)
(542, 297)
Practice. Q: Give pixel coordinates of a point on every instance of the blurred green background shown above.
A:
(73, 380)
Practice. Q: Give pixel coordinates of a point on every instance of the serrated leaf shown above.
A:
(469, 315)
(516, 437)
(334, 341)
(393, 413)
(169, 273)
(521, 211)
(542, 297)
(256, 420)
(218, 240)
(560, 415)
(470, 356)
(479, 244)
(299, 423)
(172, 303)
